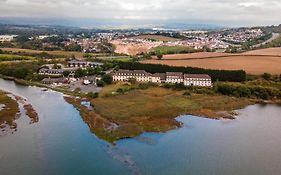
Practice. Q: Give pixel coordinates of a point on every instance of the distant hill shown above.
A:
(192, 26)
(273, 29)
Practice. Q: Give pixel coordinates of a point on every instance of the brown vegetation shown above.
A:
(31, 113)
(8, 114)
(149, 110)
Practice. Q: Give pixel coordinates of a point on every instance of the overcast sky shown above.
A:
(222, 12)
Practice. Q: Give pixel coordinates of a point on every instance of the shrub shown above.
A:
(100, 83)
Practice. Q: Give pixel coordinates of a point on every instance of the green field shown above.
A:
(11, 57)
(173, 49)
(156, 38)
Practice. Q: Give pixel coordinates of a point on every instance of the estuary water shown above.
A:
(61, 143)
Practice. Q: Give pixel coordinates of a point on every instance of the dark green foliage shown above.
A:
(73, 47)
(242, 90)
(107, 79)
(66, 73)
(221, 75)
(100, 83)
(266, 76)
(21, 71)
(93, 95)
(147, 85)
(80, 73)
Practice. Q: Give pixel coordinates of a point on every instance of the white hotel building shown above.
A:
(202, 80)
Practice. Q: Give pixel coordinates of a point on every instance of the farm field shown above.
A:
(58, 52)
(156, 38)
(195, 55)
(173, 49)
(251, 64)
(10, 57)
(269, 51)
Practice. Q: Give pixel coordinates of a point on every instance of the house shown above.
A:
(54, 81)
(174, 77)
(84, 64)
(56, 72)
(202, 80)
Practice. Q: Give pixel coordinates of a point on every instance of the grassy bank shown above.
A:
(10, 57)
(9, 112)
(134, 111)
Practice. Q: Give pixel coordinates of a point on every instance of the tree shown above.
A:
(56, 66)
(66, 73)
(266, 76)
(80, 73)
(159, 56)
(107, 79)
(21, 73)
(73, 47)
(100, 83)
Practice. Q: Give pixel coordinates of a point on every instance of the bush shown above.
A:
(100, 83)
(107, 79)
(93, 95)
(266, 76)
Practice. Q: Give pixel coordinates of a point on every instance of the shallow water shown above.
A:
(61, 143)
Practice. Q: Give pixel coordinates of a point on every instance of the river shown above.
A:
(61, 143)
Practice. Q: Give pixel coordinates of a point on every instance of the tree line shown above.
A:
(216, 75)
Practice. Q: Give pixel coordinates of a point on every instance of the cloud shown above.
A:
(229, 12)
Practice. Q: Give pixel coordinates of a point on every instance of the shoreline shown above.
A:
(14, 108)
(112, 130)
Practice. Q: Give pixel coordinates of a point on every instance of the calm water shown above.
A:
(61, 143)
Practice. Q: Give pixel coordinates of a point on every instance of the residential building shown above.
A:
(126, 75)
(55, 81)
(158, 78)
(174, 77)
(84, 64)
(202, 80)
(56, 72)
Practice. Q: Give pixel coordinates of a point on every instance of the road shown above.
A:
(274, 37)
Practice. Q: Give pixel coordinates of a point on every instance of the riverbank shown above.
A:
(8, 113)
(150, 110)
(125, 110)
(13, 107)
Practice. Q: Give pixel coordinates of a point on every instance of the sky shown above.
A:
(142, 12)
